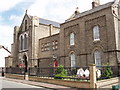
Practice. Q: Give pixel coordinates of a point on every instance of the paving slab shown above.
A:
(41, 84)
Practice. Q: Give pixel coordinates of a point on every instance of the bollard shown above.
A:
(2, 72)
(92, 76)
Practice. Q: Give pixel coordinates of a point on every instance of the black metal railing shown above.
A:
(15, 70)
(108, 72)
(41, 72)
(49, 72)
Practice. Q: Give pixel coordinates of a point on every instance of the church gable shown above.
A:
(74, 16)
(26, 22)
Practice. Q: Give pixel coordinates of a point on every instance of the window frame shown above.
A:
(26, 25)
(96, 33)
(98, 58)
(72, 38)
(21, 43)
(55, 45)
(72, 59)
(25, 41)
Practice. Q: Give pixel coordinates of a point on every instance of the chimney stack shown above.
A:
(95, 3)
(51, 29)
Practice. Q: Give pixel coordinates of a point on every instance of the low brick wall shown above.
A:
(76, 84)
(107, 83)
(82, 84)
(15, 76)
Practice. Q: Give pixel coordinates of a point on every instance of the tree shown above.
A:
(60, 72)
(108, 72)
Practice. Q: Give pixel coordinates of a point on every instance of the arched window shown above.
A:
(25, 25)
(97, 57)
(96, 33)
(21, 43)
(25, 41)
(72, 39)
(72, 59)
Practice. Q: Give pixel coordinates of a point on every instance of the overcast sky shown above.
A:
(12, 12)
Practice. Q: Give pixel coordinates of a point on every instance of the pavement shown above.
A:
(41, 84)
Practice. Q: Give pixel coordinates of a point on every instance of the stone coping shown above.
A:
(74, 84)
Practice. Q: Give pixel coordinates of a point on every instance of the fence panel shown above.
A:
(15, 70)
(50, 72)
(108, 72)
(43, 71)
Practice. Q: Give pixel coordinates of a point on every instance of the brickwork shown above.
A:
(84, 44)
(81, 24)
(34, 30)
(48, 49)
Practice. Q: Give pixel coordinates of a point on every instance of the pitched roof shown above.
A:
(96, 9)
(92, 10)
(48, 22)
(75, 15)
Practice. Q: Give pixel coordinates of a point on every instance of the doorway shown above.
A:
(25, 62)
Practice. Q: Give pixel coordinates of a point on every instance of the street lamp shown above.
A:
(1, 46)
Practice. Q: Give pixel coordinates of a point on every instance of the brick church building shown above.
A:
(90, 37)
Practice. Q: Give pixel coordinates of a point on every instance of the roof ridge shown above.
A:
(93, 10)
(49, 20)
(97, 8)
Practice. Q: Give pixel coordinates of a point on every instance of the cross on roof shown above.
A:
(26, 11)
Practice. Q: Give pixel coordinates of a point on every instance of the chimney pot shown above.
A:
(95, 3)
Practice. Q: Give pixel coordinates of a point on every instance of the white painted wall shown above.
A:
(3, 54)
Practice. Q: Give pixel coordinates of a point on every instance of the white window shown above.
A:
(53, 42)
(72, 39)
(97, 57)
(72, 58)
(55, 45)
(96, 33)
(42, 45)
(56, 42)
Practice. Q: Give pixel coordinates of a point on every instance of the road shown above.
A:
(11, 84)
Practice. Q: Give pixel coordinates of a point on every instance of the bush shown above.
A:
(60, 73)
(108, 72)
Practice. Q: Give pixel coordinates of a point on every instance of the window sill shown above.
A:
(23, 50)
(97, 40)
(72, 45)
